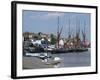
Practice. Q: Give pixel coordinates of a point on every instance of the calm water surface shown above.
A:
(74, 59)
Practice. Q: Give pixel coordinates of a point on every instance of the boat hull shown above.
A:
(68, 50)
(55, 51)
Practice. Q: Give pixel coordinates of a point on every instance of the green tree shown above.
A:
(53, 39)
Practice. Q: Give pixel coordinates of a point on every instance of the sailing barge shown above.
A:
(67, 50)
(72, 44)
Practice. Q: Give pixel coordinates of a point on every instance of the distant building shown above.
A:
(49, 39)
(43, 35)
(28, 36)
(37, 42)
(61, 43)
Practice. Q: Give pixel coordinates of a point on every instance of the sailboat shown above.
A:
(59, 31)
(73, 44)
(78, 44)
(85, 43)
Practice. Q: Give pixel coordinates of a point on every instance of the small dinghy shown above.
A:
(53, 61)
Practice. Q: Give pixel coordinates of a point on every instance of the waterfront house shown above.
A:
(61, 43)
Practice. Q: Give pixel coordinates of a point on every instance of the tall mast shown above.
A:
(76, 27)
(84, 36)
(77, 33)
(84, 26)
(69, 34)
(58, 25)
(58, 33)
(79, 27)
(58, 36)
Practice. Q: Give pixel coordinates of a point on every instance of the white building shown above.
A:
(36, 42)
(61, 43)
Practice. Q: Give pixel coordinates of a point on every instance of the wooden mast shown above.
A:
(77, 33)
(83, 33)
(69, 33)
(59, 31)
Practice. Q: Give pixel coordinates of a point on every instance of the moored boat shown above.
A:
(68, 50)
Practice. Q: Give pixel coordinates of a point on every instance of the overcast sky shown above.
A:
(47, 22)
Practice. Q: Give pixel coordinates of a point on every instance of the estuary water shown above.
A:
(75, 59)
